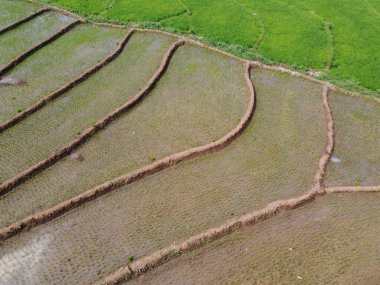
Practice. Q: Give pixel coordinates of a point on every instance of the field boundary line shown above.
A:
(330, 143)
(173, 16)
(352, 189)
(68, 86)
(37, 47)
(259, 20)
(327, 26)
(24, 20)
(75, 202)
(162, 256)
(9, 184)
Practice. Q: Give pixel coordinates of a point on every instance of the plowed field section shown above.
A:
(61, 121)
(356, 160)
(201, 98)
(14, 10)
(190, 197)
(56, 64)
(332, 241)
(19, 40)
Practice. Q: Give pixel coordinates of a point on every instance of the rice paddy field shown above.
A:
(137, 156)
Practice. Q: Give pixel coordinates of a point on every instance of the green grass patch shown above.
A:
(301, 34)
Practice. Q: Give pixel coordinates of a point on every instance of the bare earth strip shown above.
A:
(187, 109)
(65, 62)
(356, 159)
(104, 222)
(67, 120)
(18, 44)
(352, 189)
(24, 20)
(334, 240)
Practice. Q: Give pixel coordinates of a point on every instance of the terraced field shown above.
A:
(123, 151)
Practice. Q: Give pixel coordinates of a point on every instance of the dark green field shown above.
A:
(337, 38)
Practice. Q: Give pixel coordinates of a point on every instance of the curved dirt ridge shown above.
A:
(37, 47)
(58, 210)
(168, 253)
(70, 85)
(324, 160)
(24, 20)
(9, 184)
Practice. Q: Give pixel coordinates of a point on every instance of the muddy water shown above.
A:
(334, 240)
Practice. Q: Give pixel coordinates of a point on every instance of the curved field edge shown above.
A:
(236, 50)
(280, 69)
(166, 255)
(132, 195)
(162, 256)
(201, 97)
(334, 240)
(9, 184)
(158, 166)
(211, 147)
